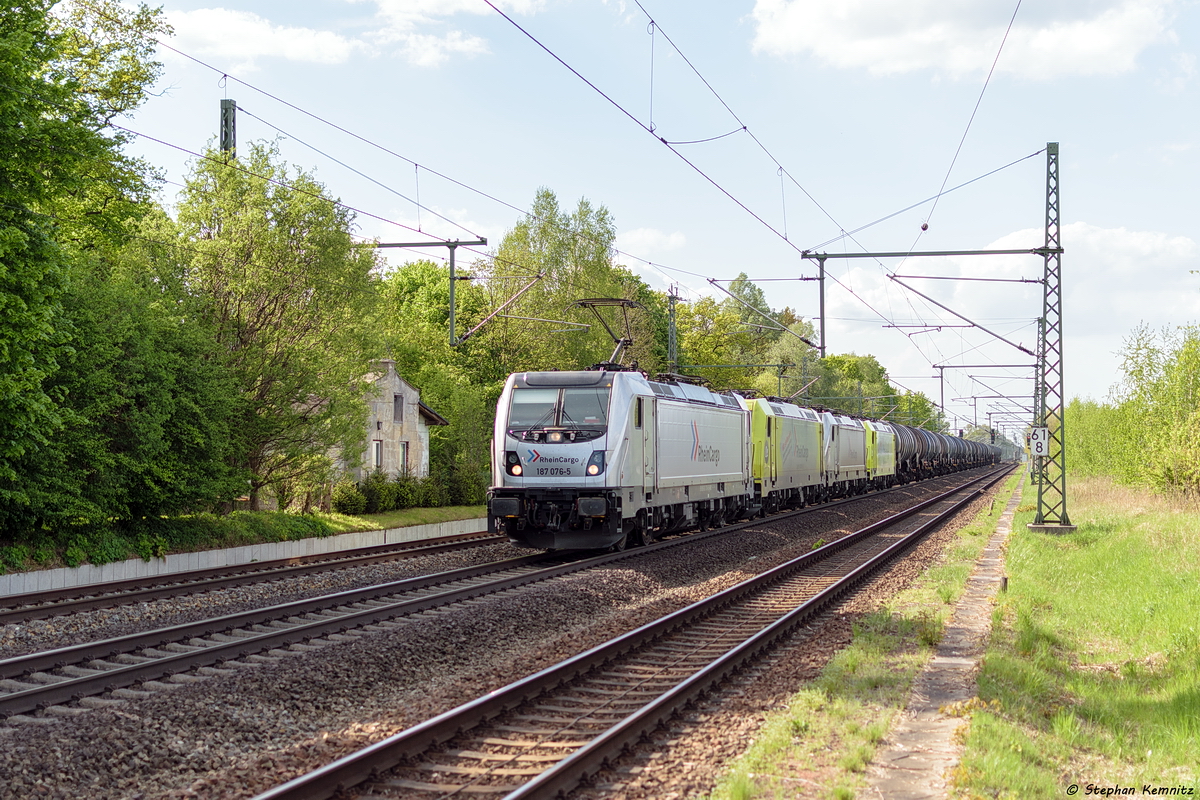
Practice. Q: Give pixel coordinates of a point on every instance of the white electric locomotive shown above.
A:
(599, 459)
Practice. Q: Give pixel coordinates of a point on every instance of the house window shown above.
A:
(378, 453)
(398, 408)
(404, 457)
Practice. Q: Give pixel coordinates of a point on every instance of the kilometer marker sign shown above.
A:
(1039, 442)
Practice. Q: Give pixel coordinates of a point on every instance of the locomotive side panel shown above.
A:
(700, 445)
(800, 448)
(852, 450)
(885, 449)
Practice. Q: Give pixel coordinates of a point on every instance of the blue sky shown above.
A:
(862, 102)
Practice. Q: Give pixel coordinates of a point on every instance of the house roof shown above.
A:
(430, 416)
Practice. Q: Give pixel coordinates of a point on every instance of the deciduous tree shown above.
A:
(290, 298)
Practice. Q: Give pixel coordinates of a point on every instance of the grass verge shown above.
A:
(158, 538)
(1093, 669)
(821, 745)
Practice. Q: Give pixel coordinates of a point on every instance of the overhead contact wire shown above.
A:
(975, 111)
(380, 184)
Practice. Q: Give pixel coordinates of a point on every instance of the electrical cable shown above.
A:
(975, 111)
(783, 171)
(494, 199)
(380, 184)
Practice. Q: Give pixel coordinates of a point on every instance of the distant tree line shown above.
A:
(163, 361)
(1148, 432)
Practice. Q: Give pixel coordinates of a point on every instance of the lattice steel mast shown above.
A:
(1052, 480)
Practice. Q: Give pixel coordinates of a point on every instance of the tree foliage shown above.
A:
(573, 252)
(289, 299)
(62, 181)
(1150, 433)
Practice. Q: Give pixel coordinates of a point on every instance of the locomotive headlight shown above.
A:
(554, 436)
(595, 464)
(512, 463)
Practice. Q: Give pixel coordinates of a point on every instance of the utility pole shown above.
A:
(228, 126)
(1052, 486)
(821, 266)
(672, 344)
(1039, 403)
(453, 246)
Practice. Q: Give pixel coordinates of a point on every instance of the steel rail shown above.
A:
(367, 763)
(61, 691)
(34, 662)
(56, 602)
(590, 758)
(57, 689)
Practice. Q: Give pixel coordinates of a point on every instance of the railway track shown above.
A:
(545, 734)
(28, 606)
(63, 680)
(48, 679)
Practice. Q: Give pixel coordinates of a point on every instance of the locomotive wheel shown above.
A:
(619, 545)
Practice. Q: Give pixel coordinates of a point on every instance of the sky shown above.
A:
(731, 137)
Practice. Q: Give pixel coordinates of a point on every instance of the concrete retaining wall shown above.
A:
(42, 580)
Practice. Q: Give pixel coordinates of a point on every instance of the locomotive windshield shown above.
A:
(578, 409)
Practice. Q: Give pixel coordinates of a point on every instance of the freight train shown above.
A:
(602, 459)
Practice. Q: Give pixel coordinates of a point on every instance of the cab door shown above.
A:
(773, 437)
(644, 415)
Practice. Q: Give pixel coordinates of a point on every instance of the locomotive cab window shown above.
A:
(637, 413)
(587, 407)
(532, 408)
(573, 409)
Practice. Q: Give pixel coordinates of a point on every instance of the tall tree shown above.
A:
(574, 252)
(53, 118)
(290, 298)
(711, 334)
(788, 349)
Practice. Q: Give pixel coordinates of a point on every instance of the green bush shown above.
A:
(347, 499)
(74, 555)
(151, 546)
(13, 557)
(381, 493)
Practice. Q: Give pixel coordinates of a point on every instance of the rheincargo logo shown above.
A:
(701, 453)
(534, 455)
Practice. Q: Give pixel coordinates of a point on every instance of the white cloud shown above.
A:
(245, 37)
(425, 50)
(648, 241)
(961, 37)
(401, 22)
(415, 29)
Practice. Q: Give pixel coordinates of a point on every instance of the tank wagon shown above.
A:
(605, 458)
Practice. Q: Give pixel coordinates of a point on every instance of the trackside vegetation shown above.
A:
(1148, 432)
(821, 745)
(207, 531)
(1092, 676)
